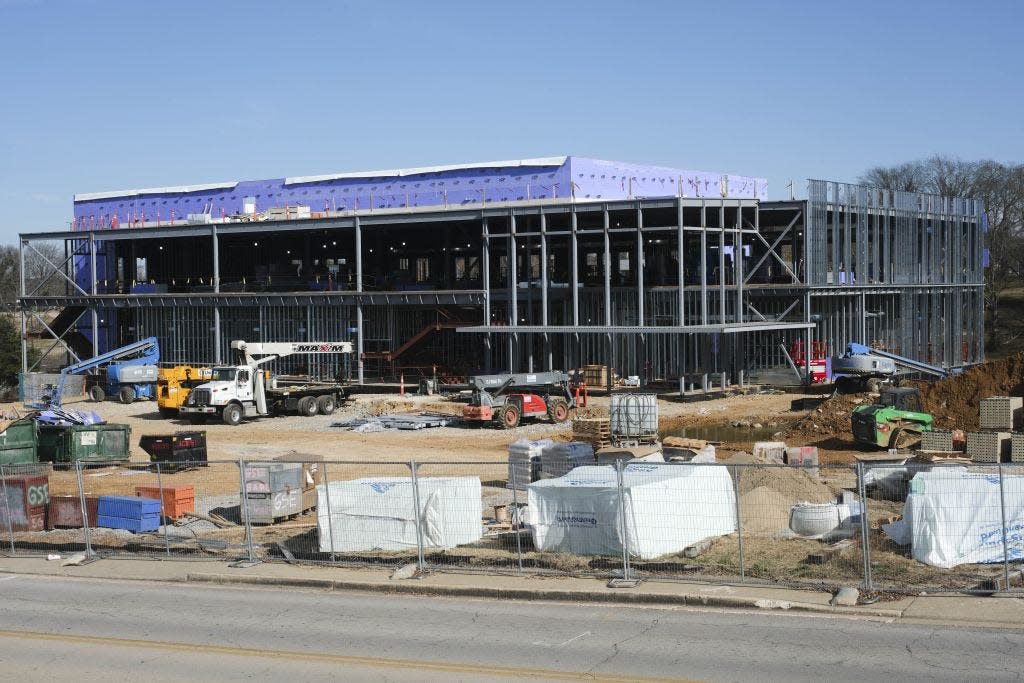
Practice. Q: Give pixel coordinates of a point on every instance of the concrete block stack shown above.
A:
(1017, 447)
(988, 447)
(937, 441)
(1000, 417)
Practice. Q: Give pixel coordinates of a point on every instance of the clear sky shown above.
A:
(103, 95)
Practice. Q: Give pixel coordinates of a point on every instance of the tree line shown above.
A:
(1000, 187)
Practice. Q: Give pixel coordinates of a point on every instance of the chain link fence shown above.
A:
(884, 527)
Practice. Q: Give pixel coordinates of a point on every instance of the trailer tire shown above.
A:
(307, 406)
(232, 414)
(126, 395)
(558, 410)
(326, 404)
(97, 394)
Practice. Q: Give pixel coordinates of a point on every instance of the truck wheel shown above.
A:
(96, 394)
(873, 385)
(307, 406)
(232, 414)
(326, 404)
(558, 410)
(126, 395)
(509, 416)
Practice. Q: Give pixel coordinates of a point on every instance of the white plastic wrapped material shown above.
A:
(667, 509)
(524, 461)
(953, 517)
(561, 458)
(379, 513)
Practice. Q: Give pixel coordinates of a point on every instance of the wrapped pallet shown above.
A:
(561, 458)
(524, 462)
(664, 509)
(381, 513)
(953, 516)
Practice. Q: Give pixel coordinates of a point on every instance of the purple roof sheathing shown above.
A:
(453, 185)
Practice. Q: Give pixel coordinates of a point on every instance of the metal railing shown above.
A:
(898, 528)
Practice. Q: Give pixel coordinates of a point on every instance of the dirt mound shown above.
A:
(829, 419)
(954, 402)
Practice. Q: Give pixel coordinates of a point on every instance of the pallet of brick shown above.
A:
(1017, 447)
(988, 446)
(597, 431)
(1002, 412)
(937, 441)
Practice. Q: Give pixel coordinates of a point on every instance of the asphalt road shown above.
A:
(91, 630)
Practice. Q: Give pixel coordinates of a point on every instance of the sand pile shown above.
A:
(767, 494)
(764, 511)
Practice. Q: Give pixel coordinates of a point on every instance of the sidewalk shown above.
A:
(1000, 612)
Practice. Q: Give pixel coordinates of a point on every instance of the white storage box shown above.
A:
(379, 514)
(667, 509)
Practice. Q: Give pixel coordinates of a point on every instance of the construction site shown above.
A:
(547, 365)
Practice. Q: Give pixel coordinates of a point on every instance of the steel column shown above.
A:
(360, 367)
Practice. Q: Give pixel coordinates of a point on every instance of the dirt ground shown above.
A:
(296, 436)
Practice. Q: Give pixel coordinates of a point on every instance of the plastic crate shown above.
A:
(178, 500)
(126, 512)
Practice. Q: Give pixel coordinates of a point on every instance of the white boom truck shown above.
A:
(245, 390)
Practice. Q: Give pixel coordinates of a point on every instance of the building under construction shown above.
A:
(525, 265)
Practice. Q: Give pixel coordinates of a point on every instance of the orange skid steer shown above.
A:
(505, 399)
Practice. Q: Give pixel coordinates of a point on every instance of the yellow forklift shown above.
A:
(174, 384)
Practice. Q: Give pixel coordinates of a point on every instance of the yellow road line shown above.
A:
(293, 655)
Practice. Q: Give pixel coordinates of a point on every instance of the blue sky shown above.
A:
(101, 95)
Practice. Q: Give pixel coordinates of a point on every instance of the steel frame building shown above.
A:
(661, 287)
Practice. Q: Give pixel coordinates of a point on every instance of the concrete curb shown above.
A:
(412, 588)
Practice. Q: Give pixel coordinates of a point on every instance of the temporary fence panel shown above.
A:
(198, 510)
(954, 516)
(27, 493)
(500, 541)
(396, 513)
(327, 528)
(944, 526)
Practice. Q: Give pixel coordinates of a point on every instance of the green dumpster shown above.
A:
(84, 443)
(18, 443)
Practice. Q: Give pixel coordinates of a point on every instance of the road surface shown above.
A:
(101, 630)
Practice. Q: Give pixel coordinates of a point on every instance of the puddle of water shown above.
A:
(724, 433)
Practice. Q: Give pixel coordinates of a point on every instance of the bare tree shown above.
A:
(1000, 187)
(43, 264)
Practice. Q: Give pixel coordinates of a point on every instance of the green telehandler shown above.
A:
(895, 421)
